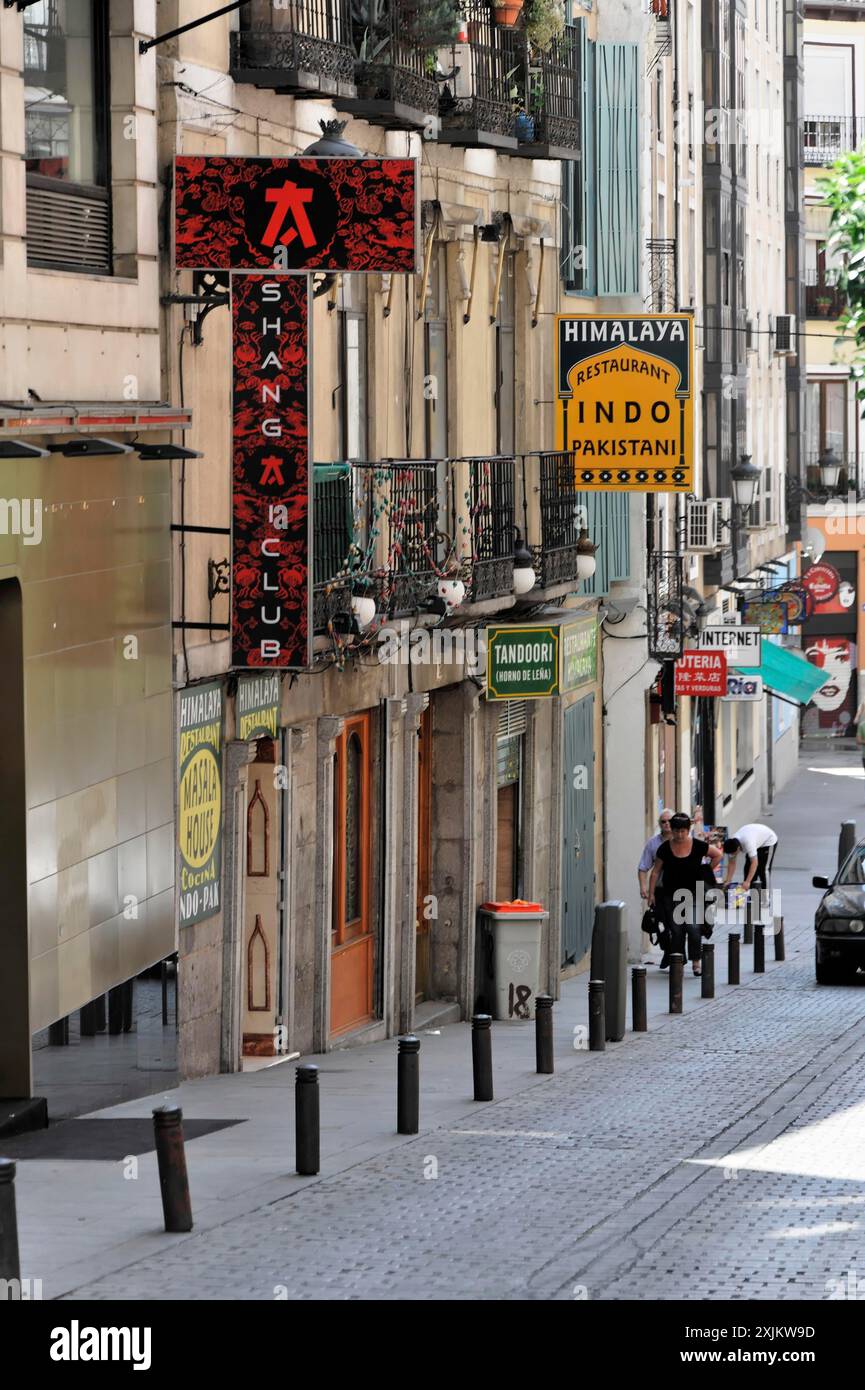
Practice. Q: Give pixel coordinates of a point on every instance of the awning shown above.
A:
(787, 674)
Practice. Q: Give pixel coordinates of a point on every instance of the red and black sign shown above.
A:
(294, 214)
(702, 674)
(270, 473)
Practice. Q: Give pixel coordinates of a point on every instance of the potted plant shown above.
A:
(824, 305)
(507, 12)
(545, 22)
(524, 124)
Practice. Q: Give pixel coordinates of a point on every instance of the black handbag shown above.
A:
(651, 925)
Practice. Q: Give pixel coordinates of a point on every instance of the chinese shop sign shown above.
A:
(257, 706)
(282, 218)
(522, 662)
(579, 642)
(625, 413)
(701, 674)
(199, 802)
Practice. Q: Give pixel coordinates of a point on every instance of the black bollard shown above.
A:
(171, 1157)
(749, 920)
(639, 1010)
(482, 1056)
(759, 949)
(306, 1121)
(408, 1085)
(544, 1058)
(58, 1033)
(99, 1012)
(733, 958)
(10, 1264)
(677, 983)
(597, 1016)
(115, 1010)
(707, 978)
(780, 951)
(87, 1017)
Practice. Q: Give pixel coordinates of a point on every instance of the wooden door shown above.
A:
(578, 849)
(261, 906)
(423, 922)
(351, 976)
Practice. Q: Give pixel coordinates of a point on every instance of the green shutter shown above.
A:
(609, 527)
(617, 180)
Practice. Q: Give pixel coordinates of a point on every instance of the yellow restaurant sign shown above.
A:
(625, 400)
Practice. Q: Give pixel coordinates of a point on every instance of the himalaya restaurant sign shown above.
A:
(258, 706)
(625, 400)
(199, 802)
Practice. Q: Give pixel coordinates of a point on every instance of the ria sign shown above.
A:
(269, 222)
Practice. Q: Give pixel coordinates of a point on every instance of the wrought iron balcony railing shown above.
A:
(824, 138)
(850, 479)
(333, 542)
(661, 253)
(301, 47)
(405, 505)
(666, 612)
(394, 74)
(823, 301)
(563, 514)
(490, 526)
(502, 94)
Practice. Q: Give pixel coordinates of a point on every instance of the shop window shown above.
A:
(66, 135)
(351, 390)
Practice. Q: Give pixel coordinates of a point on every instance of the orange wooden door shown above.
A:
(351, 975)
(423, 917)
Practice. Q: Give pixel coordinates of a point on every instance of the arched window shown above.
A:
(257, 836)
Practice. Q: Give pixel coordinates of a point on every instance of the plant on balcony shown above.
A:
(545, 22)
(524, 123)
(507, 12)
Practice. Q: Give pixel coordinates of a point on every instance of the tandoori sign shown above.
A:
(199, 802)
(522, 663)
(271, 222)
(624, 387)
(701, 674)
(579, 643)
(257, 706)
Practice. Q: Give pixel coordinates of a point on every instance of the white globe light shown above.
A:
(524, 580)
(586, 566)
(453, 591)
(363, 609)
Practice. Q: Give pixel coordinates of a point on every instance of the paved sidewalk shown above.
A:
(628, 1174)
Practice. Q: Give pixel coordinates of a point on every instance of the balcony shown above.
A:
(850, 479)
(486, 517)
(505, 95)
(333, 546)
(303, 49)
(394, 73)
(824, 138)
(563, 511)
(824, 301)
(661, 255)
(405, 510)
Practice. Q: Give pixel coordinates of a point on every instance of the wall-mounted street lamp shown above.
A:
(744, 480)
(830, 469)
(525, 576)
(586, 551)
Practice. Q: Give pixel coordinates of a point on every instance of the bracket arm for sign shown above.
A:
(144, 45)
(468, 313)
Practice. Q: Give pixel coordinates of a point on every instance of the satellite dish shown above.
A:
(813, 544)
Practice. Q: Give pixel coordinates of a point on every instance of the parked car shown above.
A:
(839, 922)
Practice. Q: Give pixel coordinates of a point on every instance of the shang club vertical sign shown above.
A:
(270, 473)
(199, 802)
(625, 393)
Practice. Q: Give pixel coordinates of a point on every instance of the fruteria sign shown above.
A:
(741, 686)
(624, 387)
(701, 674)
(258, 706)
(522, 663)
(742, 646)
(199, 802)
(579, 643)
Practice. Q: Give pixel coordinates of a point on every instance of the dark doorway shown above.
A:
(15, 1065)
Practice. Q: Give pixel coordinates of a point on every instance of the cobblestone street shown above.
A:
(720, 1156)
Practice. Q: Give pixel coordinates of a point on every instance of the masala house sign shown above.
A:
(625, 407)
(199, 802)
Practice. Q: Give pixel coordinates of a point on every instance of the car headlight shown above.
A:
(836, 924)
(857, 924)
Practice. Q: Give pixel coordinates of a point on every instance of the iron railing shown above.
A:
(661, 253)
(824, 138)
(302, 46)
(409, 491)
(394, 75)
(552, 84)
(333, 541)
(476, 105)
(850, 479)
(563, 514)
(666, 612)
(490, 497)
(824, 301)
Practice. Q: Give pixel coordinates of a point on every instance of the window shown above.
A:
(66, 134)
(436, 356)
(351, 391)
(506, 360)
(828, 410)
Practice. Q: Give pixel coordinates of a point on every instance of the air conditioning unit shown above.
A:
(785, 334)
(706, 521)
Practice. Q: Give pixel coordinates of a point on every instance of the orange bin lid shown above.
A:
(516, 906)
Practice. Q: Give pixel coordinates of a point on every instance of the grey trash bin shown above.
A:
(610, 964)
(515, 929)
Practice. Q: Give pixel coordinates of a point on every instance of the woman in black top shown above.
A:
(681, 858)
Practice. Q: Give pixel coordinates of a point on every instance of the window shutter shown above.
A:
(617, 178)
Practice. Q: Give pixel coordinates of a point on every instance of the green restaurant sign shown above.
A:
(579, 654)
(522, 663)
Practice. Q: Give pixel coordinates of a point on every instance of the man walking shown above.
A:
(758, 844)
(644, 868)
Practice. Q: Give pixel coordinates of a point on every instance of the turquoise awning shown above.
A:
(786, 673)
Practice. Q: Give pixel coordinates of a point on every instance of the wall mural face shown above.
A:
(834, 705)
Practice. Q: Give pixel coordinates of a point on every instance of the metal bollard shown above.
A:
(597, 1016)
(846, 840)
(639, 1011)
(115, 1010)
(677, 983)
(307, 1146)
(408, 1085)
(749, 920)
(733, 958)
(171, 1157)
(759, 949)
(482, 1056)
(58, 1033)
(707, 979)
(544, 1058)
(10, 1263)
(780, 950)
